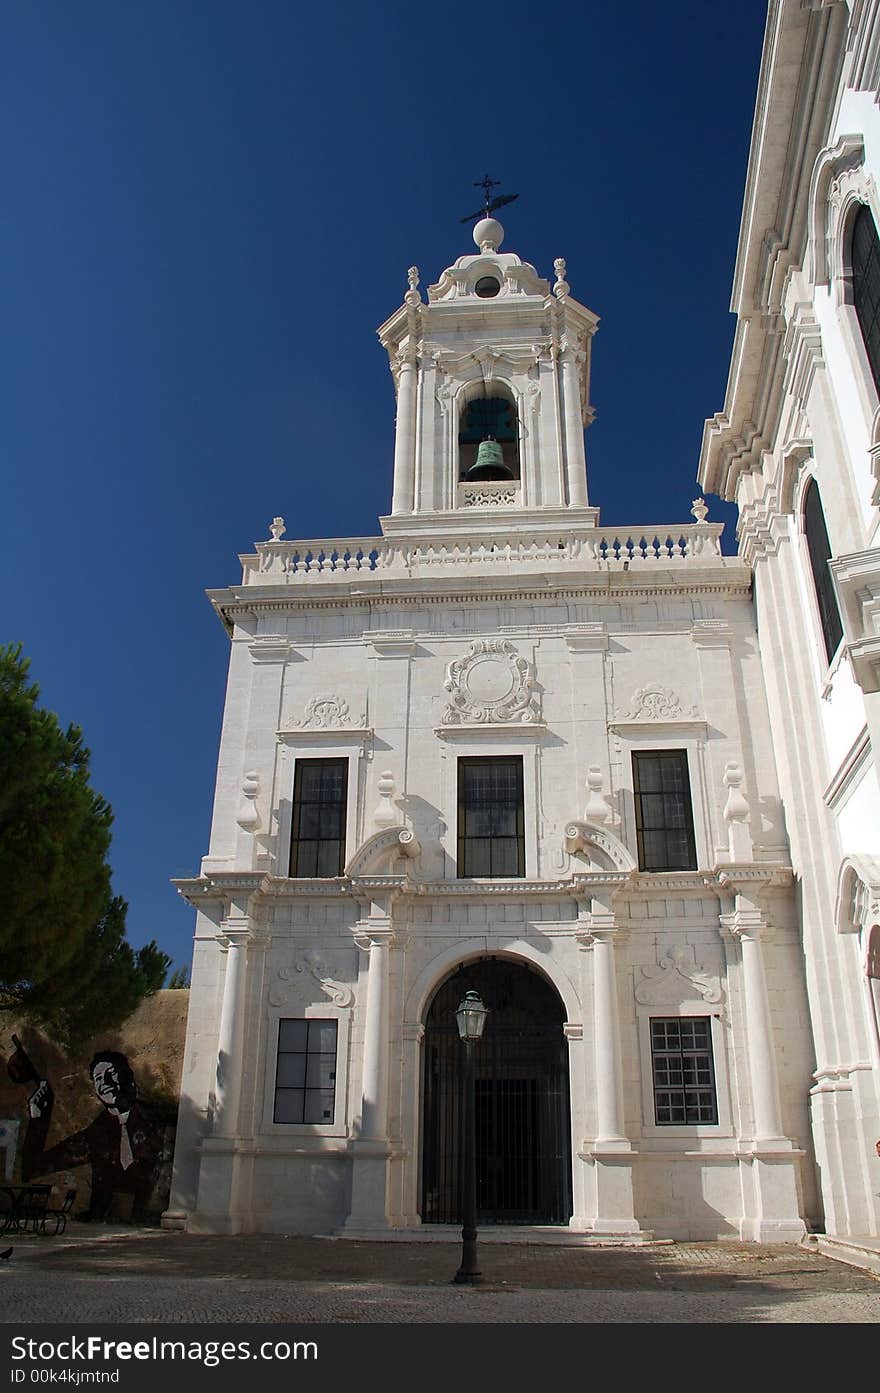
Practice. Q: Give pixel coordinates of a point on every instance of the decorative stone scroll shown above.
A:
(490, 684)
(678, 977)
(326, 713)
(311, 962)
(656, 703)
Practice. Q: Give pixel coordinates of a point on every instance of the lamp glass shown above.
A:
(471, 1016)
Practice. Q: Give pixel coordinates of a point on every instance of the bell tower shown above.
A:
(492, 377)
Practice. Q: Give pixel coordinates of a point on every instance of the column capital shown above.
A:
(377, 895)
(236, 931)
(711, 633)
(748, 923)
(369, 935)
(586, 638)
(600, 928)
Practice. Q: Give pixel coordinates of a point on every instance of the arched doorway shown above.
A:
(521, 1097)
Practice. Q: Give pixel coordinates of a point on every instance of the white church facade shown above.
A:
(615, 781)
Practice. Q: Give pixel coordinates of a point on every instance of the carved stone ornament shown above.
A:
(677, 978)
(311, 962)
(492, 683)
(655, 703)
(326, 713)
(488, 496)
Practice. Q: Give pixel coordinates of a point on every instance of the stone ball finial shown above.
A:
(488, 234)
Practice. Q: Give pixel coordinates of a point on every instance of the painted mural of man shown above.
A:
(122, 1144)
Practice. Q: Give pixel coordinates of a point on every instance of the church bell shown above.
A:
(489, 464)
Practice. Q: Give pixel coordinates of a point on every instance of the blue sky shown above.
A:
(209, 207)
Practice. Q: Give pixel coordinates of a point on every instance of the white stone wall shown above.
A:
(387, 695)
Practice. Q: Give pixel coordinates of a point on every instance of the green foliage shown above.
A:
(64, 961)
(179, 979)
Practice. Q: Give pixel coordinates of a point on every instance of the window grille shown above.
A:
(819, 549)
(305, 1078)
(491, 824)
(319, 805)
(683, 1071)
(664, 816)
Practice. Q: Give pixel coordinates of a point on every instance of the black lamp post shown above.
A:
(471, 1017)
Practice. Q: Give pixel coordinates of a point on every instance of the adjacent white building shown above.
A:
(797, 446)
(500, 747)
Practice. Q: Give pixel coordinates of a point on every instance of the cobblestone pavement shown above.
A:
(151, 1276)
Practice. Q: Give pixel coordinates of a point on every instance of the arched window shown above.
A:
(872, 972)
(866, 285)
(489, 417)
(819, 549)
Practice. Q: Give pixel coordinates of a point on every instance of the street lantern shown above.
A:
(470, 1018)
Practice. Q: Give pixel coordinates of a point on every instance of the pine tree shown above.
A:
(64, 959)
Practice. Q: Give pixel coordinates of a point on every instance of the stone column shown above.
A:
(610, 1155)
(609, 1083)
(770, 1182)
(762, 1059)
(236, 932)
(371, 1148)
(217, 1208)
(575, 456)
(404, 442)
(374, 1107)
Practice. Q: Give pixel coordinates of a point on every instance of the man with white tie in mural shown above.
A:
(122, 1144)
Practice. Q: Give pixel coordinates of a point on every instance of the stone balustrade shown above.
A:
(599, 548)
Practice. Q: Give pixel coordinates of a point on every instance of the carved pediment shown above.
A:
(858, 893)
(377, 855)
(490, 685)
(598, 846)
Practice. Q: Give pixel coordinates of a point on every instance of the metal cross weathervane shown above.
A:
(489, 203)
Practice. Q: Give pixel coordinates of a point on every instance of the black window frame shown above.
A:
(819, 552)
(865, 271)
(649, 827)
(498, 845)
(295, 1045)
(309, 854)
(684, 1083)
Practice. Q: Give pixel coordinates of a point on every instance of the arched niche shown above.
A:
(488, 410)
(520, 1097)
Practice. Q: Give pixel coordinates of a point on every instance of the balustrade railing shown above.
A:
(601, 548)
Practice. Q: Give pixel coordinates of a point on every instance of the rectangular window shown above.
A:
(683, 1070)
(305, 1080)
(491, 823)
(664, 817)
(319, 803)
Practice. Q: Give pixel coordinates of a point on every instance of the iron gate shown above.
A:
(521, 1100)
